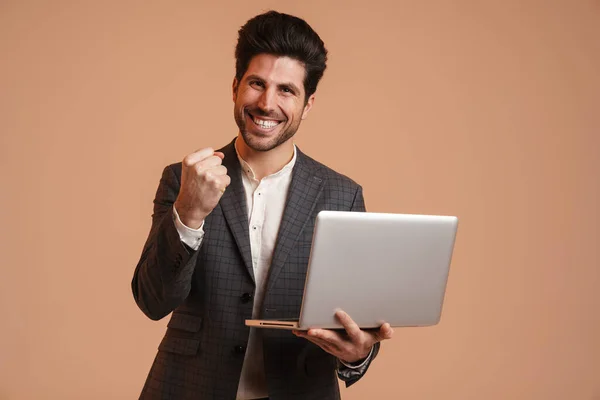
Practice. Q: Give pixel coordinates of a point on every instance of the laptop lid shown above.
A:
(378, 267)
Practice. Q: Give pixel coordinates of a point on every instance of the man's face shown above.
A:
(269, 101)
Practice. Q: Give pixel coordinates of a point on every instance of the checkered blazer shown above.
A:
(209, 290)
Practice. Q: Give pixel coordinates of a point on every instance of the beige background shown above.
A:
(485, 110)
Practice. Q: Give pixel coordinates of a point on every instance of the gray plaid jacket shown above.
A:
(210, 290)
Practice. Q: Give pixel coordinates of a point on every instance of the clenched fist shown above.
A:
(203, 182)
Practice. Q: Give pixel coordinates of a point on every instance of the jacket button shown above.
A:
(246, 297)
(239, 349)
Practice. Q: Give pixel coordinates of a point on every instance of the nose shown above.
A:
(266, 102)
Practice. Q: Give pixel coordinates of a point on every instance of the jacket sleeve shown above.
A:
(163, 275)
(352, 375)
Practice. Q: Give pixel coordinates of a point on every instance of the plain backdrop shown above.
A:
(488, 110)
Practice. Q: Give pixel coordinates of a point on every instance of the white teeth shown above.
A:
(265, 124)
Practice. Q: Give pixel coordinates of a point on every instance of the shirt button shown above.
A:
(246, 297)
(239, 349)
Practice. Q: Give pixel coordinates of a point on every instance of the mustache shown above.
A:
(257, 112)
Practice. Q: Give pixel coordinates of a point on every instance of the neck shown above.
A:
(265, 163)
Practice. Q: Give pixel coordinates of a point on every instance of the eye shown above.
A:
(257, 83)
(287, 90)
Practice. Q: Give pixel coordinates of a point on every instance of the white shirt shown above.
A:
(266, 201)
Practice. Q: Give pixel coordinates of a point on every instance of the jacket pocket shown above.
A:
(182, 337)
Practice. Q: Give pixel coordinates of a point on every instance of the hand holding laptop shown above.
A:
(350, 346)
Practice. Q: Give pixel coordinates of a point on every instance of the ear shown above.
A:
(234, 87)
(308, 106)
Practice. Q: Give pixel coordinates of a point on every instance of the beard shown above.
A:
(258, 143)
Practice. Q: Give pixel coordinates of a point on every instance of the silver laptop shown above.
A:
(377, 267)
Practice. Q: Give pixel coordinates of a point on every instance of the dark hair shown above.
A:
(282, 35)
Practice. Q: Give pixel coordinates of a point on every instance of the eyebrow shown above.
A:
(279, 85)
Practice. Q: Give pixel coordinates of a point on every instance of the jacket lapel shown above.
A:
(305, 189)
(235, 209)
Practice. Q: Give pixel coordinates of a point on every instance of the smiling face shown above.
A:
(269, 101)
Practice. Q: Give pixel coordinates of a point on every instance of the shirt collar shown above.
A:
(287, 168)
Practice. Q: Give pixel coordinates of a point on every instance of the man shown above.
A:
(231, 235)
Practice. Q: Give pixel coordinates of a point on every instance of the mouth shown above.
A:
(263, 124)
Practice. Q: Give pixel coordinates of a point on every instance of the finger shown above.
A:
(309, 334)
(223, 182)
(219, 170)
(325, 345)
(217, 183)
(204, 167)
(209, 162)
(348, 323)
(220, 183)
(386, 331)
(226, 180)
(327, 335)
(197, 156)
(220, 154)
